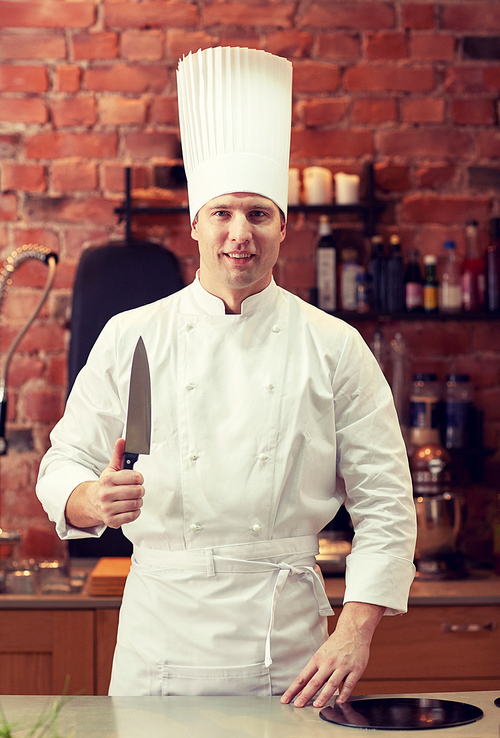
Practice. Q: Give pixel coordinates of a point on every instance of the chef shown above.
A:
(267, 415)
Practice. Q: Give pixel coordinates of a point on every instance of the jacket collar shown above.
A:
(215, 306)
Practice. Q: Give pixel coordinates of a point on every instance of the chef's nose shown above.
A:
(240, 231)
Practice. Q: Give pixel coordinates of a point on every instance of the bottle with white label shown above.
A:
(348, 284)
(450, 286)
(414, 296)
(326, 266)
(473, 277)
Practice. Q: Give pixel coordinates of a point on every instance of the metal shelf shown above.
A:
(350, 316)
(369, 208)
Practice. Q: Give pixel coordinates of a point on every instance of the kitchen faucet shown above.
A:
(18, 257)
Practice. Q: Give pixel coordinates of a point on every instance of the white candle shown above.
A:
(317, 186)
(346, 188)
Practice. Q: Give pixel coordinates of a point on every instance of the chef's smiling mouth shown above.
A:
(241, 255)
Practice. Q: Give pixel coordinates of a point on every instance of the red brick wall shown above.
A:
(88, 87)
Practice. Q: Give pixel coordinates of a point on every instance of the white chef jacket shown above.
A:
(263, 423)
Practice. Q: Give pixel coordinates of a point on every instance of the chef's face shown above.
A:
(238, 236)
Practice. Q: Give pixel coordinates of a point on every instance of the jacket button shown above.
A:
(194, 527)
(255, 528)
(276, 329)
(269, 386)
(190, 386)
(193, 457)
(189, 326)
(262, 457)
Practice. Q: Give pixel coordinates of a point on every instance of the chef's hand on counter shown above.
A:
(343, 658)
(115, 499)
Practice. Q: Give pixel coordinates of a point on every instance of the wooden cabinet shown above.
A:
(434, 649)
(430, 649)
(40, 648)
(106, 627)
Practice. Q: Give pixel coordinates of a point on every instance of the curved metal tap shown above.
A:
(18, 257)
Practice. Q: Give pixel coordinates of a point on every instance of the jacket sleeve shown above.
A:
(82, 442)
(373, 464)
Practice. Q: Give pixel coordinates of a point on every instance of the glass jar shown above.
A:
(424, 409)
(21, 577)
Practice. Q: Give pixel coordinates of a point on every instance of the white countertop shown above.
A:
(222, 717)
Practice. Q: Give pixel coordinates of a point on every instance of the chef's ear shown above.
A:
(194, 228)
(283, 225)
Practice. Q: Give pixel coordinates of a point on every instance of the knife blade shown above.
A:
(138, 426)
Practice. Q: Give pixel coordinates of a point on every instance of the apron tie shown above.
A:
(248, 558)
(324, 607)
(209, 560)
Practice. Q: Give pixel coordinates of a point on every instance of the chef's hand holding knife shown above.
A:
(115, 499)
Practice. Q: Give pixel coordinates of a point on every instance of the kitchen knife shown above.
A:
(138, 428)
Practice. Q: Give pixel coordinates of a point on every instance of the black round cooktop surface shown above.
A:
(401, 713)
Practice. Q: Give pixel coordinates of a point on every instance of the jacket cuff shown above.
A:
(54, 503)
(379, 579)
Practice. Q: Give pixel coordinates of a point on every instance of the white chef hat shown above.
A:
(235, 121)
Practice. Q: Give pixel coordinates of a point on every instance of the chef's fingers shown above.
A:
(323, 680)
(119, 496)
(126, 493)
(298, 684)
(331, 686)
(116, 462)
(305, 686)
(343, 679)
(125, 511)
(349, 683)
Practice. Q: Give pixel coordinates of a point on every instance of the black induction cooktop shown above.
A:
(401, 713)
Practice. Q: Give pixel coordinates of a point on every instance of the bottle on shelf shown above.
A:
(430, 284)
(414, 300)
(364, 293)
(398, 381)
(424, 409)
(349, 269)
(395, 277)
(377, 267)
(377, 348)
(458, 409)
(450, 287)
(326, 266)
(473, 268)
(493, 268)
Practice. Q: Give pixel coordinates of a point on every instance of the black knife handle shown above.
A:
(129, 460)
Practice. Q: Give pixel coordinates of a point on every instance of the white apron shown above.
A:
(239, 619)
